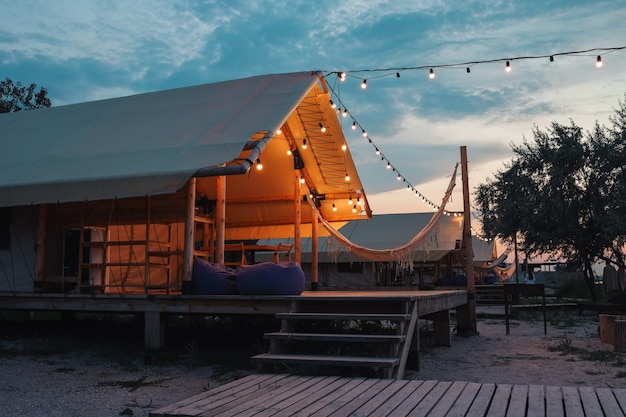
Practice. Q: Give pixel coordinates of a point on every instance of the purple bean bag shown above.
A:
(212, 279)
(268, 278)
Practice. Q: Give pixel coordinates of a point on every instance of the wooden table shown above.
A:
(287, 395)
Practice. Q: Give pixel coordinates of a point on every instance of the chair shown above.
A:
(282, 247)
(236, 247)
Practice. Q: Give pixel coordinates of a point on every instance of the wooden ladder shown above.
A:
(319, 333)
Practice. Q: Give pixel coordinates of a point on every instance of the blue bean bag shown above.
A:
(213, 279)
(268, 278)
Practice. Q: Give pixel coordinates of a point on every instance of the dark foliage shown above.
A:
(16, 97)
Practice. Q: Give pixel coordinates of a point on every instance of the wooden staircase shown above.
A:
(341, 332)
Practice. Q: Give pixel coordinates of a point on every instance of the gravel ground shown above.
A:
(90, 368)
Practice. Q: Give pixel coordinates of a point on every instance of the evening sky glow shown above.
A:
(89, 50)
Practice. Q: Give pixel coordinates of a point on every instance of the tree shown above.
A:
(563, 193)
(16, 97)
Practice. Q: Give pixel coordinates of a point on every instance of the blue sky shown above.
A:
(89, 49)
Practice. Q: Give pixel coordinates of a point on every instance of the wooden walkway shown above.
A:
(284, 395)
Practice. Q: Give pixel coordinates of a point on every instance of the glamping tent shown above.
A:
(119, 195)
(437, 255)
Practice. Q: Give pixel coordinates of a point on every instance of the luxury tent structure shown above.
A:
(118, 196)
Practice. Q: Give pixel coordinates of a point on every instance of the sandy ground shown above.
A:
(88, 372)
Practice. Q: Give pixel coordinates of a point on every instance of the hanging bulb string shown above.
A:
(379, 153)
(394, 71)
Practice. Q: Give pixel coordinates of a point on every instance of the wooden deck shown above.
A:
(284, 395)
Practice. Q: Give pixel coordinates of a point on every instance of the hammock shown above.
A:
(403, 254)
(493, 264)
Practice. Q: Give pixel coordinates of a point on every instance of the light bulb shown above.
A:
(364, 133)
(344, 147)
(350, 200)
(332, 104)
(345, 113)
(431, 74)
(599, 61)
(342, 76)
(377, 151)
(259, 165)
(322, 127)
(334, 207)
(301, 180)
(551, 58)
(288, 151)
(304, 143)
(364, 84)
(507, 67)
(353, 125)
(347, 177)
(279, 131)
(354, 208)
(388, 165)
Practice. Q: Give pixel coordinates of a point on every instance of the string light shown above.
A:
(350, 202)
(396, 71)
(354, 208)
(259, 165)
(332, 104)
(347, 177)
(301, 179)
(304, 143)
(334, 207)
(344, 147)
(322, 127)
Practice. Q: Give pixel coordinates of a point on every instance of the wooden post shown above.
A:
(466, 314)
(154, 330)
(297, 204)
(314, 253)
(41, 246)
(220, 219)
(188, 238)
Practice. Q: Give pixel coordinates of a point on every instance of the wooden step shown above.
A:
(331, 337)
(323, 360)
(343, 316)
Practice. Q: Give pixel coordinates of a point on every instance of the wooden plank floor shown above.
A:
(261, 395)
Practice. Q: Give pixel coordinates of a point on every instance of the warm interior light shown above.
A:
(599, 61)
(288, 151)
(350, 201)
(334, 207)
(344, 147)
(353, 125)
(431, 74)
(279, 131)
(364, 84)
(347, 177)
(259, 165)
(399, 177)
(301, 179)
(304, 143)
(507, 67)
(354, 208)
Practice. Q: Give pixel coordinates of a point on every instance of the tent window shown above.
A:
(5, 228)
(350, 267)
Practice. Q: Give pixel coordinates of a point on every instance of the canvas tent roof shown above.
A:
(152, 143)
(386, 231)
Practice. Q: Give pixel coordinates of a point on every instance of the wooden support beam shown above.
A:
(188, 235)
(297, 203)
(154, 330)
(220, 219)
